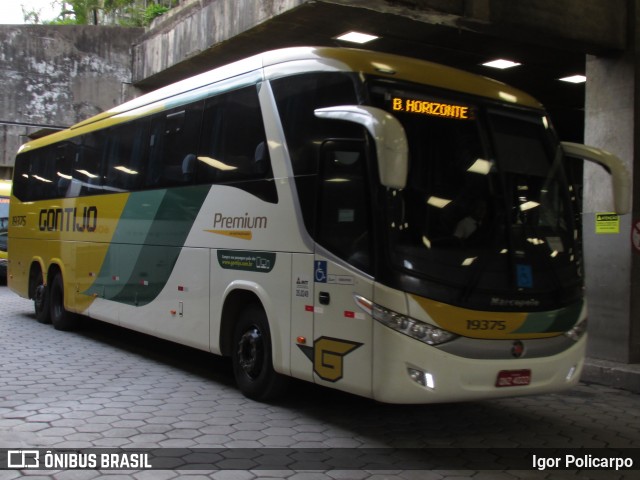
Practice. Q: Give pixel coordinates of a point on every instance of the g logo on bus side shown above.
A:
(327, 355)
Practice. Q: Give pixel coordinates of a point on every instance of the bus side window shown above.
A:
(173, 142)
(233, 144)
(65, 153)
(44, 173)
(21, 179)
(126, 155)
(27, 185)
(297, 97)
(344, 219)
(88, 163)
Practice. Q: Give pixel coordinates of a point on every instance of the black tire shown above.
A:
(41, 299)
(60, 317)
(252, 359)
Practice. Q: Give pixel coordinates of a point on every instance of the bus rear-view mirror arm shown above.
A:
(388, 135)
(620, 177)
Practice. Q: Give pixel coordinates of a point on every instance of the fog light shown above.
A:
(423, 378)
(571, 373)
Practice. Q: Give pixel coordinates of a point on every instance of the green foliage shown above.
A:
(152, 11)
(132, 13)
(85, 11)
(61, 21)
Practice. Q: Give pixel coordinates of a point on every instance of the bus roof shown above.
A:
(405, 68)
(347, 59)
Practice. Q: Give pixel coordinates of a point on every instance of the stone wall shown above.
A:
(53, 77)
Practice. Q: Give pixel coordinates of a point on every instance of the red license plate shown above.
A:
(513, 378)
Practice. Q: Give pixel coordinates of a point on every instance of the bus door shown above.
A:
(342, 350)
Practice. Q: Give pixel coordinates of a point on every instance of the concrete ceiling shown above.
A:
(318, 23)
(541, 66)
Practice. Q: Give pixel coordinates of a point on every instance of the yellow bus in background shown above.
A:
(5, 191)
(373, 223)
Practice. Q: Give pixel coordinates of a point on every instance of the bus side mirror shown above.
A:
(388, 135)
(621, 180)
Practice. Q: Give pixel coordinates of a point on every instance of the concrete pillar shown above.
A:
(612, 263)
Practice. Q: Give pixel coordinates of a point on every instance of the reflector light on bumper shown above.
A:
(421, 331)
(578, 330)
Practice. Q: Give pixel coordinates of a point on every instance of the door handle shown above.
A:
(324, 298)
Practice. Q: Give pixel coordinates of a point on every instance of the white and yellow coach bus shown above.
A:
(377, 224)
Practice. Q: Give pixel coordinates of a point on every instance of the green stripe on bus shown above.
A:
(554, 321)
(148, 239)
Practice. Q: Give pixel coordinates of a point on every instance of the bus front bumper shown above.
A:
(408, 371)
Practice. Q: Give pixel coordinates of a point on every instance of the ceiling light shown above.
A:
(356, 37)
(438, 202)
(212, 162)
(126, 170)
(509, 97)
(468, 261)
(88, 174)
(501, 64)
(528, 205)
(383, 68)
(483, 167)
(574, 79)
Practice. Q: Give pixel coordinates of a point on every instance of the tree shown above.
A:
(108, 12)
(34, 15)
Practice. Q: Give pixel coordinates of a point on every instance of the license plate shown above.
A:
(513, 378)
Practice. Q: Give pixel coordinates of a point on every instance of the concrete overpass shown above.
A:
(550, 38)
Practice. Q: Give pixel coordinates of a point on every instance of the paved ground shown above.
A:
(105, 387)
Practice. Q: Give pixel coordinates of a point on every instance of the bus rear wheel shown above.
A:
(60, 317)
(252, 357)
(41, 299)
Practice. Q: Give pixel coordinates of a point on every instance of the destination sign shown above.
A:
(435, 109)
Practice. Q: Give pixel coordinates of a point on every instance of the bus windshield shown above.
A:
(487, 210)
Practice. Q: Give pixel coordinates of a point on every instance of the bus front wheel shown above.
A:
(60, 317)
(252, 357)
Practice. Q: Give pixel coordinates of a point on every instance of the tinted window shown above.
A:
(297, 97)
(344, 223)
(173, 143)
(126, 155)
(168, 149)
(233, 145)
(87, 171)
(44, 173)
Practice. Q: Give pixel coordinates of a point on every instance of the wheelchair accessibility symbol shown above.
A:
(320, 271)
(524, 275)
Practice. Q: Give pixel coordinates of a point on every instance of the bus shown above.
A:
(5, 191)
(382, 225)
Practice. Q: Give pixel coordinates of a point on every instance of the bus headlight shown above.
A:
(578, 330)
(422, 331)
